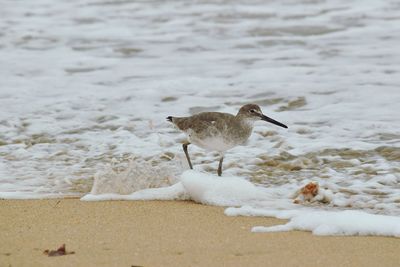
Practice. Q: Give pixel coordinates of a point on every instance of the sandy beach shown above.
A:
(169, 233)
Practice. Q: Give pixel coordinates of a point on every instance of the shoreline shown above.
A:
(169, 233)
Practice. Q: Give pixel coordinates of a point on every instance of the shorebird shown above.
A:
(218, 131)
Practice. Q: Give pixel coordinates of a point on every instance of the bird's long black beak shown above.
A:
(268, 119)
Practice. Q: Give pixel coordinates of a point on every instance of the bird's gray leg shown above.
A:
(185, 145)
(220, 165)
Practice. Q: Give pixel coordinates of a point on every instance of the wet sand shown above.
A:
(134, 233)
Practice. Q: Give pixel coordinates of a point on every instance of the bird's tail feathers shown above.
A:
(169, 118)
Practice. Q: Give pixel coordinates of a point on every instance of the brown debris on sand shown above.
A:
(59, 252)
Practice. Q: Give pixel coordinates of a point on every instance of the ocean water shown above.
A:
(86, 85)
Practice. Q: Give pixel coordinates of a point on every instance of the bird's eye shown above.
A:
(252, 110)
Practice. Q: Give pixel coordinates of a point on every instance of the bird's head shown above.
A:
(253, 113)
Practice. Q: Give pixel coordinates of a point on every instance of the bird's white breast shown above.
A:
(212, 143)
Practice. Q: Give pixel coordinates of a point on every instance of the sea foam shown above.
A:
(251, 200)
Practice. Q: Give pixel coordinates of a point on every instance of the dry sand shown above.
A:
(132, 233)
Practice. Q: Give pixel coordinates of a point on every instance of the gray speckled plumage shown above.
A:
(225, 128)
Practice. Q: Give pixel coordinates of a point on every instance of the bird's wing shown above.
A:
(203, 121)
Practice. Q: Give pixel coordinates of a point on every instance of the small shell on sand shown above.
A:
(306, 193)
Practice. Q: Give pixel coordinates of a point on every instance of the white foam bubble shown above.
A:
(349, 222)
(173, 192)
(199, 187)
(221, 191)
(137, 175)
